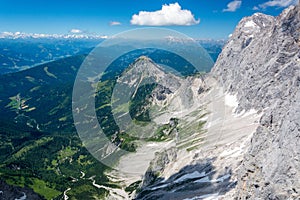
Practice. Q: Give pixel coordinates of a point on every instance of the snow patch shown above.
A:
(238, 150)
(231, 100)
(243, 113)
(195, 174)
(223, 178)
(152, 145)
(160, 186)
(205, 197)
(250, 24)
(203, 180)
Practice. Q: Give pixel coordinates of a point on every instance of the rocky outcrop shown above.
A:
(17, 193)
(260, 64)
(158, 164)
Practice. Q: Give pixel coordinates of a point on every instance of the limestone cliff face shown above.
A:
(261, 65)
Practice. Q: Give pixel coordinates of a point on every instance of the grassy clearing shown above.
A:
(83, 160)
(41, 187)
(49, 73)
(35, 88)
(30, 79)
(15, 102)
(66, 152)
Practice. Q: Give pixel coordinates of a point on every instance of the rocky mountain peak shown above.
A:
(144, 58)
(255, 23)
(289, 23)
(145, 71)
(251, 27)
(260, 65)
(143, 61)
(144, 65)
(287, 12)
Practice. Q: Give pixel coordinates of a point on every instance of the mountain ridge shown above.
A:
(265, 75)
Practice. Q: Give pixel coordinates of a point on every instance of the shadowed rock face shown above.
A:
(14, 192)
(261, 65)
(192, 181)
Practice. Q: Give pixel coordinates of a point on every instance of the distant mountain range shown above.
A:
(19, 51)
(23, 53)
(21, 35)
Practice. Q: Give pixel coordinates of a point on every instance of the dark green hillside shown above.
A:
(40, 95)
(48, 163)
(39, 145)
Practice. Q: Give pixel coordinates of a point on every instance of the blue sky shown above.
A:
(218, 18)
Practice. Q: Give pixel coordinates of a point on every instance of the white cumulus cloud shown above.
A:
(169, 15)
(255, 8)
(114, 23)
(74, 30)
(277, 3)
(233, 6)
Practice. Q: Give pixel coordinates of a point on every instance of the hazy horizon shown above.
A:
(197, 19)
